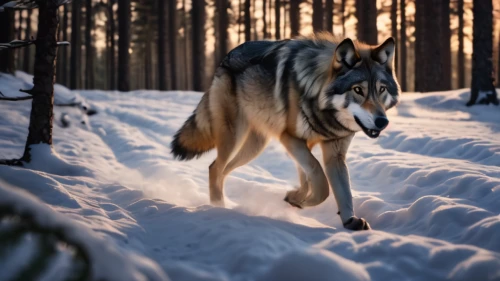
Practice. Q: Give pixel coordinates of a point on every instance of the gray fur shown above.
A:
(304, 92)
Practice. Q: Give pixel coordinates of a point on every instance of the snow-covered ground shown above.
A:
(429, 186)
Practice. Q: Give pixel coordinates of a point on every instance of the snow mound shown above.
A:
(315, 265)
(429, 186)
(107, 262)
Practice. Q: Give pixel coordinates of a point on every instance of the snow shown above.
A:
(429, 186)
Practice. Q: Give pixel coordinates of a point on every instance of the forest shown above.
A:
(170, 45)
(101, 98)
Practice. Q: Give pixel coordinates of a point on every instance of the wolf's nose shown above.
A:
(381, 122)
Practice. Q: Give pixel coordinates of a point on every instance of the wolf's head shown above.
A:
(362, 86)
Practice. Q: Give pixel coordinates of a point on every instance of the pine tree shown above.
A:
(162, 59)
(461, 53)
(394, 29)
(124, 15)
(329, 15)
(277, 18)
(27, 50)
(366, 13)
(247, 20)
(89, 49)
(294, 17)
(223, 24)
(317, 18)
(482, 48)
(172, 39)
(76, 40)
(432, 68)
(198, 43)
(403, 56)
(7, 34)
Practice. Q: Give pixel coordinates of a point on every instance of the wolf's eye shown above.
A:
(358, 90)
(382, 89)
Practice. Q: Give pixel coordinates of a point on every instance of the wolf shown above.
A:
(305, 91)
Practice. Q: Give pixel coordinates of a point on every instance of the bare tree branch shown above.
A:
(23, 43)
(26, 4)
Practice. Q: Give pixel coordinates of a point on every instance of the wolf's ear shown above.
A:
(346, 54)
(384, 54)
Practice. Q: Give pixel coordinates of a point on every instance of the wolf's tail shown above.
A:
(195, 136)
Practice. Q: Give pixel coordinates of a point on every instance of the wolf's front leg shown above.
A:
(334, 155)
(314, 185)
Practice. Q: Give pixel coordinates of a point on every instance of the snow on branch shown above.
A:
(27, 4)
(23, 43)
(3, 97)
(16, 44)
(101, 259)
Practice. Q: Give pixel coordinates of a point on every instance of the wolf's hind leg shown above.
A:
(228, 143)
(229, 129)
(313, 171)
(251, 148)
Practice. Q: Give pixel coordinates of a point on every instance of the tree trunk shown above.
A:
(366, 13)
(286, 16)
(294, 17)
(7, 34)
(254, 21)
(59, 62)
(394, 30)
(187, 50)
(461, 54)
(27, 50)
(198, 43)
(403, 57)
(40, 128)
(20, 36)
(172, 39)
(240, 20)
(112, 47)
(277, 18)
(498, 67)
(89, 49)
(482, 54)
(431, 61)
(76, 43)
(329, 16)
(222, 26)
(317, 18)
(342, 12)
(124, 15)
(270, 18)
(247, 20)
(419, 44)
(444, 16)
(63, 54)
(162, 59)
(264, 18)
(148, 84)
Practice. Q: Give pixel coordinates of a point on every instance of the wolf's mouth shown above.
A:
(369, 132)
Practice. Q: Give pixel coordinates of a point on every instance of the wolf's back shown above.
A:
(194, 137)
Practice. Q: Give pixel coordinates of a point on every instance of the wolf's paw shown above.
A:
(218, 203)
(292, 197)
(356, 224)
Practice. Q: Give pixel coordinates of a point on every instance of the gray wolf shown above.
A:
(305, 91)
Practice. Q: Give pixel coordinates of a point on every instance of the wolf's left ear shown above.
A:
(384, 54)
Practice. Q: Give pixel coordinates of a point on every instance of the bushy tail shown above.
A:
(195, 136)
